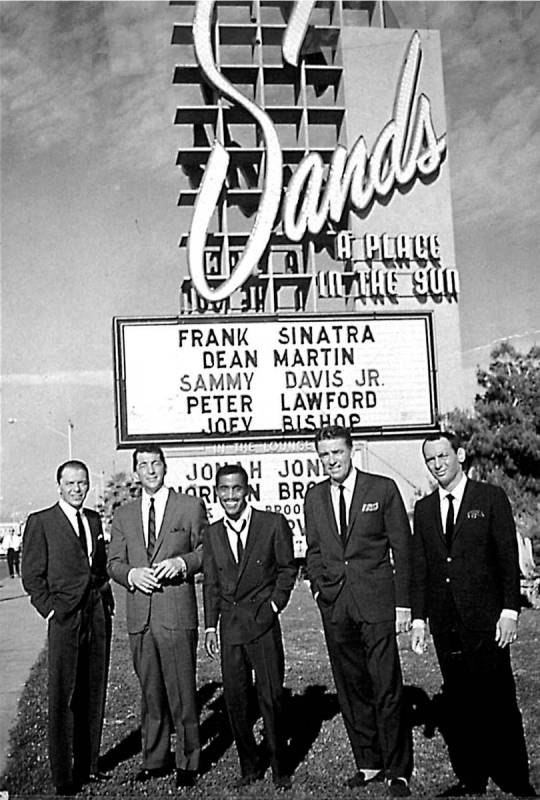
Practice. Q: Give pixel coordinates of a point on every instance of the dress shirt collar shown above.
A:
(240, 525)
(457, 492)
(71, 513)
(160, 498)
(348, 484)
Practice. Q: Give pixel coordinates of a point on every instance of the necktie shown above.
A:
(82, 534)
(151, 529)
(449, 529)
(239, 545)
(342, 515)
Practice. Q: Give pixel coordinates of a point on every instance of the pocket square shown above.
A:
(370, 507)
(475, 513)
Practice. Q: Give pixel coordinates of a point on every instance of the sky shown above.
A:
(90, 225)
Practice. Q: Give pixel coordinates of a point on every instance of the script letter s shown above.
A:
(216, 170)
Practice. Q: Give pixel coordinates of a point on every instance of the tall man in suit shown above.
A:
(155, 552)
(64, 572)
(466, 581)
(249, 573)
(358, 540)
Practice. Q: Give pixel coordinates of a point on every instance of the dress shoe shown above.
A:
(247, 780)
(148, 774)
(185, 778)
(67, 789)
(462, 790)
(282, 782)
(359, 780)
(398, 787)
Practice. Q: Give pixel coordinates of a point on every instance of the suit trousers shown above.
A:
(78, 647)
(165, 664)
(367, 673)
(481, 721)
(265, 657)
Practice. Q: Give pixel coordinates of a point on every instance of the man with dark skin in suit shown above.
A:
(155, 552)
(466, 581)
(249, 573)
(358, 541)
(64, 572)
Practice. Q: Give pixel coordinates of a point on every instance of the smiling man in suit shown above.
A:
(358, 541)
(155, 552)
(466, 581)
(249, 573)
(64, 571)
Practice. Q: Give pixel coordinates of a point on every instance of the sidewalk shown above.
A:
(22, 637)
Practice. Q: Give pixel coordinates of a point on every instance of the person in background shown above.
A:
(64, 572)
(12, 545)
(249, 574)
(155, 552)
(466, 582)
(358, 542)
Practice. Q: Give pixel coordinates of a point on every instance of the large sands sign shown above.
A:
(265, 377)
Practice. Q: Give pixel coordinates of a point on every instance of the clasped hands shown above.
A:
(149, 579)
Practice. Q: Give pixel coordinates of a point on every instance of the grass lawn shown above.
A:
(318, 743)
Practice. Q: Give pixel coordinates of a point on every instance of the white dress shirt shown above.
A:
(71, 514)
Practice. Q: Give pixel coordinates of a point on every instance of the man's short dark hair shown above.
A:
(72, 464)
(232, 469)
(334, 432)
(148, 448)
(450, 436)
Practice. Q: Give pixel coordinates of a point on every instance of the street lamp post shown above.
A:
(70, 426)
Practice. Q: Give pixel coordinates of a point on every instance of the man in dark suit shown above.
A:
(155, 552)
(64, 572)
(249, 573)
(466, 581)
(358, 540)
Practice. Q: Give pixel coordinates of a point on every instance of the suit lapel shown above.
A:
(224, 545)
(252, 534)
(356, 502)
(68, 529)
(326, 502)
(137, 523)
(166, 523)
(436, 515)
(466, 503)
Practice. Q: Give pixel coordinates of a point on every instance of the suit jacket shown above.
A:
(481, 569)
(56, 573)
(377, 524)
(241, 596)
(180, 534)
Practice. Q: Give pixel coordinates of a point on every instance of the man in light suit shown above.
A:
(155, 552)
(64, 572)
(466, 581)
(358, 540)
(249, 573)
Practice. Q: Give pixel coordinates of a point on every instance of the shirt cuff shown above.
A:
(510, 613)
(209, 630)
(276, 609)
(419, 623)
(50, 615)
(402, 608)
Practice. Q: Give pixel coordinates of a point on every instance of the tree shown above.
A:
(119, 489)
(503, 431)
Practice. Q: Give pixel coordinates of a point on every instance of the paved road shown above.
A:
(22, 637)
